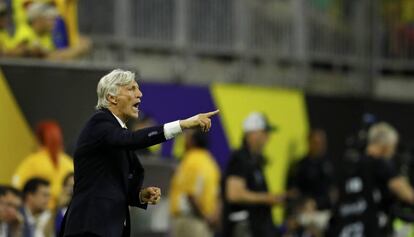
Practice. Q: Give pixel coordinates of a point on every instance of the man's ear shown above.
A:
(112, 99)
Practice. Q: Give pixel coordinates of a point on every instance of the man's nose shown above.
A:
(139, 94)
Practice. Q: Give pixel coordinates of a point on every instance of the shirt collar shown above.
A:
(29, 216)
(123, 125)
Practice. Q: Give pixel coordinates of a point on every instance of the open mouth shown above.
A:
(136, 106)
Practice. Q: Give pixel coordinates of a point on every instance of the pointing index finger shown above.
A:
(209, 114)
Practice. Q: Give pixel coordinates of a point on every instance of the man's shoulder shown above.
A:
(95, 127)
(99, 116)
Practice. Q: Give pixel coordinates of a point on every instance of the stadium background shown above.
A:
(320, 63)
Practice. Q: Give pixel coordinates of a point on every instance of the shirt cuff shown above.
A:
(172, 129)
(140, 199)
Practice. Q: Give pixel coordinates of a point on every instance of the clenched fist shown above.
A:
(150, 195)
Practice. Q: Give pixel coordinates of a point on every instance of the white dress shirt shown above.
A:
(39, 222)
(171, 129)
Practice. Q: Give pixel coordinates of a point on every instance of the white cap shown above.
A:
(38, 9)
(256, 122)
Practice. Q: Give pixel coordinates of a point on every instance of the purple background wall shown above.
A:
(168, 102)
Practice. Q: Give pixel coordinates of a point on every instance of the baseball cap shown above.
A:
(39, 9)
(257, 121)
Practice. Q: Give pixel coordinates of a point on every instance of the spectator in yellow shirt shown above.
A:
(407, 11)
(4, 34)
(195, 190)
(37, 36)
(67, 9)
(7, 42)
(49, 162)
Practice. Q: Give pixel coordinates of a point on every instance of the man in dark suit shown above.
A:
(108, 175)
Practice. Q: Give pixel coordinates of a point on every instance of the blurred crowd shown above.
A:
(361, 194)
(393, 25)
(41, 29)
(399, 27)
(34, 204)
(362, 191)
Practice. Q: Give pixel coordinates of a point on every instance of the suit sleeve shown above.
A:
(135, 201)
(135, 184)
(113, 135)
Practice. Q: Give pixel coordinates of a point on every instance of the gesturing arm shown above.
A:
(237, 192)
(112, 134)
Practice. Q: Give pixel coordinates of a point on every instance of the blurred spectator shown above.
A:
(67, 19)
(68, 11)
(49, 162)
(247, 200)
(195, 189)
(368, 191)
(10, 218)
(64, 200)
(37, 36)
(382, 144)
(407, 11)
(37, 217)
(398, 17)
(6, 43)
(314, 173)
(304, 220)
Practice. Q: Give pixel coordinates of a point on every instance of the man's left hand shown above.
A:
(150, 195)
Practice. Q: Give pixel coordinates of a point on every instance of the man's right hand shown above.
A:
(201, 121)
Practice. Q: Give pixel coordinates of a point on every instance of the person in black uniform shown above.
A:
(247, 200)
(369, 187)
(314, 173)
(388, 183)
(108, 175)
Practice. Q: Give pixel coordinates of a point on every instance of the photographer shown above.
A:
(369, 186)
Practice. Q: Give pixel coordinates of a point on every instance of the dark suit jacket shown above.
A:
(108, 176)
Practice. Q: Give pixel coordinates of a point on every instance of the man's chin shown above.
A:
(134, 115)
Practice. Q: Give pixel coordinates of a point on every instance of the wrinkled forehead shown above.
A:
(131, 83)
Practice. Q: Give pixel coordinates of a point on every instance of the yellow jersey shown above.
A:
(40, 165)
(6, 41)
(198, 175)
(25, 34)
(67, 9)
(407, 14)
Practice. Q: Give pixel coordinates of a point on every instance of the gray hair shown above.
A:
(382, 133)
(109, 85)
